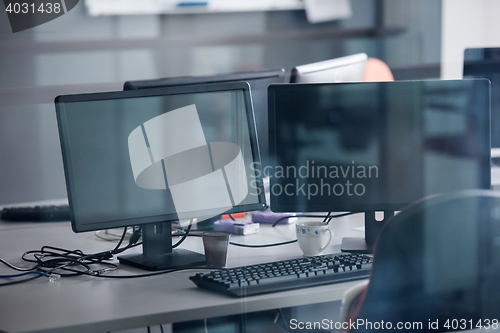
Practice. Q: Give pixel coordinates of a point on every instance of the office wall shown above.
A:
(77, 54)
(421, 42)
(465, 24)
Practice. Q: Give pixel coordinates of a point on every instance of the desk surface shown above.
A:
(92, 304)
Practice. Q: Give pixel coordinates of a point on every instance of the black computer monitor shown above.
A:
(485, 63)
(367, 147)
(345, 69)
(259, 82)
(150, 157)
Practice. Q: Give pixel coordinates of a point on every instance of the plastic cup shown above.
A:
(215, 244)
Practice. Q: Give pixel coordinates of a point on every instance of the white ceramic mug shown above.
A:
(313, 237)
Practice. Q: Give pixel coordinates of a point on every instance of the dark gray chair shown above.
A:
(438, 260)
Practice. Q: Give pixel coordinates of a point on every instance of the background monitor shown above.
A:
(154, 156)
(346, 69)
(485, 63)
(259, 82)
(334, 151)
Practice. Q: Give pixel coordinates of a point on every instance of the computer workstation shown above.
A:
(456, 142)
(354, 130)
(392, 147)
(139, 145)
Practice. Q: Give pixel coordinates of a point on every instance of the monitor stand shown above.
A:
(372, 228)
(157, 253)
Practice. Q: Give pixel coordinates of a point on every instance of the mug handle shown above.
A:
(331, 236)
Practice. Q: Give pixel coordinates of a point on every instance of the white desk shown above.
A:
(90, 304)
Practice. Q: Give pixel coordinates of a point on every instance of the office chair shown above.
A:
(377, 71)
(435, 261)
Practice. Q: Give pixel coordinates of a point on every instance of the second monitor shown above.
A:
(366, 147)
(485, 63)
(259, 82)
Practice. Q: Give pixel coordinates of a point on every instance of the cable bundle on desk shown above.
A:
(54, 262)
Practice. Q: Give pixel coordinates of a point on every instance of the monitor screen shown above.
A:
(376, 146)
(485, 63)
(137, 157)
(345, 69)
(259, 82)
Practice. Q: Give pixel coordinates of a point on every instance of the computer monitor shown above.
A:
(259, 82)
(485, 63)
(345, 69)
(367, 147)
(150, 157)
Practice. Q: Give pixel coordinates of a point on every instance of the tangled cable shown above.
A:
(54, 262)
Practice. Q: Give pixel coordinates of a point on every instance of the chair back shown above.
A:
(436, 261)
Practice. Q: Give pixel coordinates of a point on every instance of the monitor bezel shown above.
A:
(193, 80)
(485, 163)
(486, 61)
(76, 222)
(486, 67)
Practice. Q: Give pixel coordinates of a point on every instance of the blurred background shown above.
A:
(81, 53)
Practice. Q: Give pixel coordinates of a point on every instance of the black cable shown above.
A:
(232, 218)
(50, 259)
(263, 245)
(135, 236)
(340, 215)
(161, 328)
(149, 329)
(23, 274)
(309, 215)
(292, 216)
(60, 259)
(326, 217)
(20, 281)
(75, 262)
(17, 268)
(121, 239)
(257, 245)
(184, 236)
(109, 254)
(150, 274)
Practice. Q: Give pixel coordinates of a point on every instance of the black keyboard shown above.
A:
(285, 275)
(36, 213)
